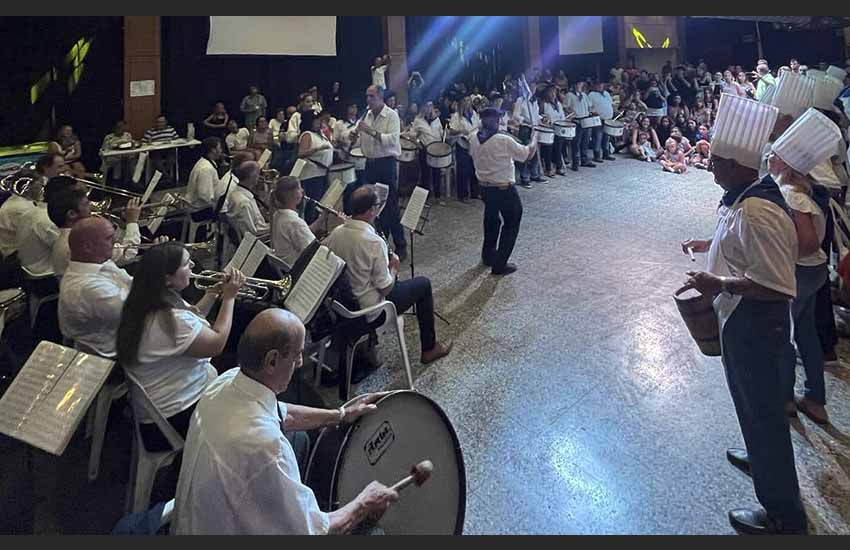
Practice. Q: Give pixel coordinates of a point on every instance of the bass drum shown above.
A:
(406, 429)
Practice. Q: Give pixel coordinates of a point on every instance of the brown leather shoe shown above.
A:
(813, 410)
(439, 351)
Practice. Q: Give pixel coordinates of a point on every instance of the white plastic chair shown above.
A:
(35, 302)
(393, 319)
(190, 228)
(145, 464)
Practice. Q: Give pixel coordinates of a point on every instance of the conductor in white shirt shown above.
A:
(240, 474)
(380, 134)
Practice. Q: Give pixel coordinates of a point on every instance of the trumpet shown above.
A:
(324, 208)
(253, 289)
(207, 246)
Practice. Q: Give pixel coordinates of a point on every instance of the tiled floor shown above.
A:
(580, 401)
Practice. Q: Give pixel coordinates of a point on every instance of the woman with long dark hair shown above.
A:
(167, 343)
(665, 126)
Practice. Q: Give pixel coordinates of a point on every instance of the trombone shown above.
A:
(94, 185)
(253, 289)
(206, 246)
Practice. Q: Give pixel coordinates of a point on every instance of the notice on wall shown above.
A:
(142, 88)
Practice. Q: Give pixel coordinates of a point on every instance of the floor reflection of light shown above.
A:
(562, 457)
(654, 364)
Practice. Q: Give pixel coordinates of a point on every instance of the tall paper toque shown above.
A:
(742, 128)
(812, 139)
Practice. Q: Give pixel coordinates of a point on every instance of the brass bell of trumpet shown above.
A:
(253, 289)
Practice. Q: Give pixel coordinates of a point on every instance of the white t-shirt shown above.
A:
(173, 380)
(325, 157)
(801, 202)
(11, 214)
(379, 76)
(244, 214)
(35, 239)
(237, 141)
(290, 235)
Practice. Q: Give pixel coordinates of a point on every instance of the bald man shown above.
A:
(239, 473)
(243, 201)
(93, 289)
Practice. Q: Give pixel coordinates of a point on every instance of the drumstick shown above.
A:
(691, 254)
(419, 474)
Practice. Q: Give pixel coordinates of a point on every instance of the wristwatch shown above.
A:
(341, 412)
(724, 287)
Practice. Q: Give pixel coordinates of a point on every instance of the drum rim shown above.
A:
(353, 154)
(544, 129)
(343, 449)
(430, 154)
(411, 142)
(341, 167)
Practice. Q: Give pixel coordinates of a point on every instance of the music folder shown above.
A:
(313, 284)
(413, 212)
(50, 396)
(249, 255)
(157, 175)
(140, 165)
(383, 191)
(333, 196)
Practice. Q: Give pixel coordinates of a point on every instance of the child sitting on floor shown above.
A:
(673, 160)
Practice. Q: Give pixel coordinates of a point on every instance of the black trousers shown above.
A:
(559, 153)
(11, 275)
(417, 291)
(152, 436)
(579, 145)
(502, 216)
(467, 183)
(385, 170)
(825, 318)
(315, 189)
(429, 177)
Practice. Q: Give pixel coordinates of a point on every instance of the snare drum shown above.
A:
(439, 154)
(525, 132)
(545, 135)
(408, 151)
(357, 157)
(613, 128)
(406, 429)
(566, 130)
(590, 122)
(343, 171)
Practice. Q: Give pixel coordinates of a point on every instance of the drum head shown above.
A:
(406, 429)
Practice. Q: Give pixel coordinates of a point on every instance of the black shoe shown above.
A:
(588, 164)
(830, 357)
(757, 522)
(609, 157)
(539, 179)
(575, 168)
(525, 184)
(402, 254)
(486, 261)
(506, 270)
(739, 459)
(597, 160)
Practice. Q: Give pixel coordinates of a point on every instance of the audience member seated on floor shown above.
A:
(290, 234)
(118, 137)
(703, 133)
(160, 133)
(237, 138)
(93, 289)
(701, 155)
(645, 145)
(245, 451)
(673, 160)
(681, 141)
(701, 113)
(168, 343)
(373, 271)
(215, 125)
(663, 129)
(690, 130)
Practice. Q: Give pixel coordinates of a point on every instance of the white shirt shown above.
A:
(91, 297)
(275, 127)
(60, 256)
(755, 239)
(468, 126)
(342, 132)
(427, 132)
(237, 141)
(290, 235)
(239, 474)
(244, 213)
(387, 123)
(601, 104)
(324, 157)
(801, 202)
(526, 112)
(379, 76)
(577, 103)
(494, 159)
(204, 185)
(367, 258)
(293, 129)
(11, 214)
(173, 380)
(554, 112)
(36, 237)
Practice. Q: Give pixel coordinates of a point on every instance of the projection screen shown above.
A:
(272, 35)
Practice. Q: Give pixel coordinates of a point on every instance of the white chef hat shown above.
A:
(836, 72)
(742, 128)
(794, 93)
(815, 73)
(812, 139)
(827, 89)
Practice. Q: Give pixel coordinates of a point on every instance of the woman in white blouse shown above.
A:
(318, 151)
(166, 342)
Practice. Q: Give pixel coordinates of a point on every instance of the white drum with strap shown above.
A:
(613, 128)
(408, 150)
(343, 171)
(357, 157)
(590, 122)
(439, 154)
(564, 129)
(545, 135)
(406, 429)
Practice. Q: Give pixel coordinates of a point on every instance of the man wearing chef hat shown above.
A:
(750, 275)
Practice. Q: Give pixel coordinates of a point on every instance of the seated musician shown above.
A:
(243, 208)
(161, 132)
(204, 187)
(166, 342)
(241, 473)
(373, 271)
(65, 208)
(37, 234)
(290, 234)
(93, 289)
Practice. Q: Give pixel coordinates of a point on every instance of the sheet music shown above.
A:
(151, 186)
(410, 218)
(140, 165)
(255, 258)
(156, 222)
(297, 168)
(314, 284)
(50, 395)
(264, 158)
(241, 254)
(383, 192)
(333, 195)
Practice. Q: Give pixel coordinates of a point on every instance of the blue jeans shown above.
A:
(754, 343)
(809, 281)
(531, 169)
